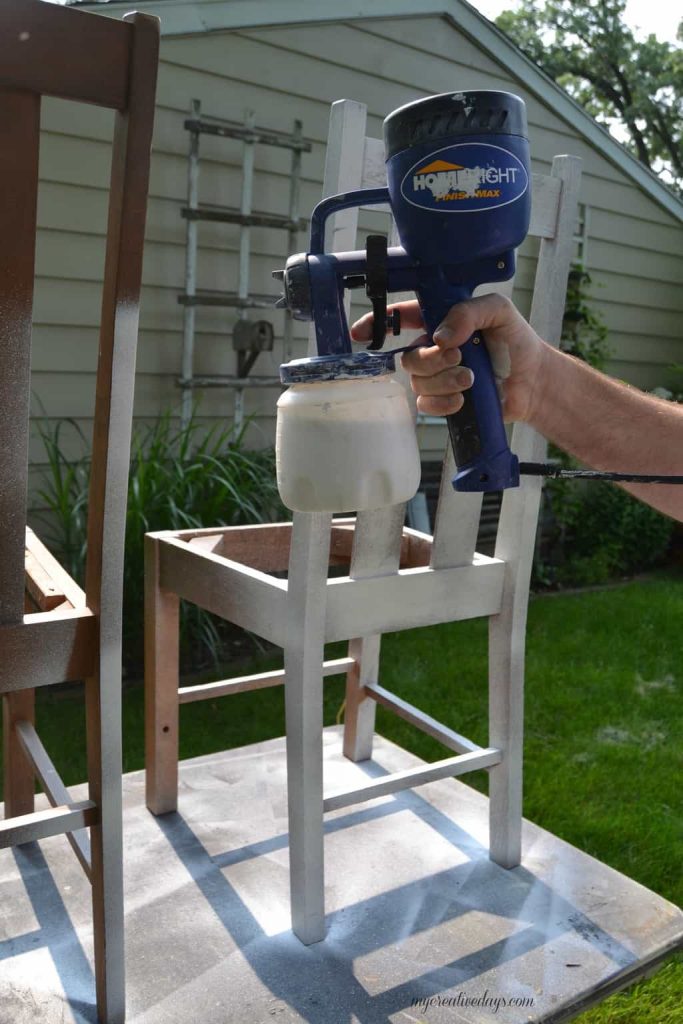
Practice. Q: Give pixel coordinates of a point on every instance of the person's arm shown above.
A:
(605, 424)
(611, 426)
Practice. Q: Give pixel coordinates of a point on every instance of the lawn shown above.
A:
(604, 734)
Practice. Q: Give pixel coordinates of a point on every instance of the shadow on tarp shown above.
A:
(318, 981)
(56, 934)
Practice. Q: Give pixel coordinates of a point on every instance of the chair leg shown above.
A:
(359, 710)
(308, 564)
(19, 787)
(506, 731)
(103, 705)
(376, 552)
(161, 687)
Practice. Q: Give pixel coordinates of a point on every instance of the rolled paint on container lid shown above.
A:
(339, 366)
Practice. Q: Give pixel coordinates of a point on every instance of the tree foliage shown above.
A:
(586, 47)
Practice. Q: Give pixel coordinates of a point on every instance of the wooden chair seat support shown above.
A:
(69, 818)
(64, 625)
(413, 777)
(71, 637)
(41, 589)
(48, 585)
(409, 713)
(258, 681)
(53, 787)
(258, 601)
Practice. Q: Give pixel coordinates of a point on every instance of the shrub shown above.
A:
(584, 332)
(607, 533)
(180, 478)
(598, 531)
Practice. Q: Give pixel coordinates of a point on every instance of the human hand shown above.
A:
(435, 375)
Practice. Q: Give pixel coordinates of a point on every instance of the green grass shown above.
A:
(604, 734)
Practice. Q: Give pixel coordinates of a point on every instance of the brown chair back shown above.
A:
(54, 51)
(49, 50)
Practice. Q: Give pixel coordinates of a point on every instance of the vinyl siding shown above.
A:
(635, 255)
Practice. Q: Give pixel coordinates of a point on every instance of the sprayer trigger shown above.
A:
(376, 286)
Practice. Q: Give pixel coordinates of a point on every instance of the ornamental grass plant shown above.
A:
(181, 477)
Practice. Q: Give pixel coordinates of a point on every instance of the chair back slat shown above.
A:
(456, 523)
(81, 56)
(20, 129)
(118, 332)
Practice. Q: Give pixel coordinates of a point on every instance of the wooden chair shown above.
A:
(397, 579)
(50, 629)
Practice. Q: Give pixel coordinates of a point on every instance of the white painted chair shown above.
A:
(398, 579)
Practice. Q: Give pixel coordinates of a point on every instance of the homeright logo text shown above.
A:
(452, 181)
(465, 178)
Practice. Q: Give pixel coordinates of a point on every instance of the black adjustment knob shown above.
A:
(297, 298)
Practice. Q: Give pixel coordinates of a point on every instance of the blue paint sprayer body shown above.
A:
(459, 190)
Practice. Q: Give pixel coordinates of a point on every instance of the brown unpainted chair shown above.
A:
(51, 631)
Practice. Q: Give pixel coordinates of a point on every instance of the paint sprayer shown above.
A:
(459, 188)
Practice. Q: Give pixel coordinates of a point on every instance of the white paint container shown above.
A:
(346, 445)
